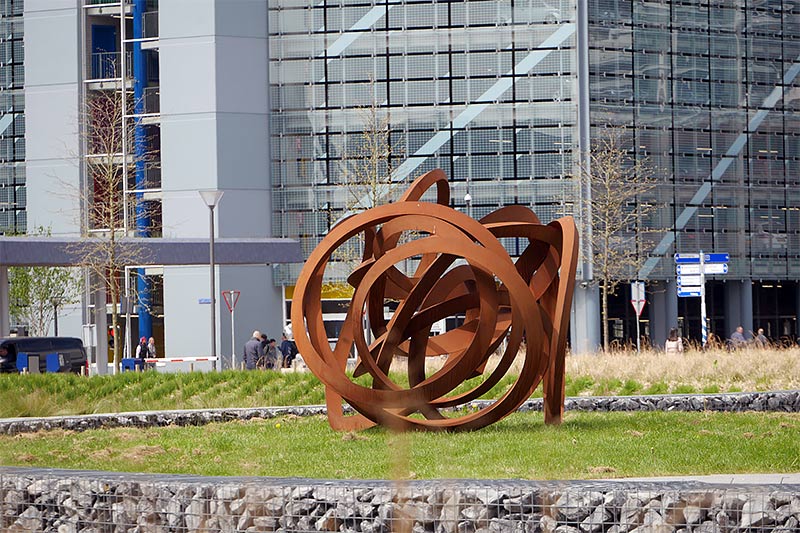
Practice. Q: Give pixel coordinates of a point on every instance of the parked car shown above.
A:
(70, 355)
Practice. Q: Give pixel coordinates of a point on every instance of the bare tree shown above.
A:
(619, 184)
(37, 293)
(368, 163)
(109, 214)
(366, 170)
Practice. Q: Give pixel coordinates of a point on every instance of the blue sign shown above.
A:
(688, 293)
(716, 258)
(690, 259)
(687, 259)
(204, 300)
(708, 268)
(686, 280)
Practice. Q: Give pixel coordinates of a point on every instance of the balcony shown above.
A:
(152, 100)
(106, 7)
(150, 25)
(108, 66)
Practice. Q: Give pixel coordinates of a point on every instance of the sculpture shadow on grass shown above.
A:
(458, 268)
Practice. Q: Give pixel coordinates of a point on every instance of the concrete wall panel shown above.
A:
(244, 18)
(241, 75)
(51, 46)
(188, 79)
(186, 18)
(186, 322)
(259, 307)
(243, 213)
(52, 95)
(243, 157)
(52, 203)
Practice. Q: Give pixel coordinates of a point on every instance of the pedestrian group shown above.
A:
(263, 353)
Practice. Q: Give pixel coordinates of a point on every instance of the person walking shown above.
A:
(674, 343)
(272, 355)
(152, 352)
(141, 353)
(252, 350)
(288, 351)
(737, 338)
(761, 340)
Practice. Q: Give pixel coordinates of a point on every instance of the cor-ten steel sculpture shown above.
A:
(462, 269)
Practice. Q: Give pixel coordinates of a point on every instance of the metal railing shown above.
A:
(152, 100)
(108, 65)
(150, 24)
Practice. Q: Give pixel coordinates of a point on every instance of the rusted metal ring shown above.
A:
(462, 269)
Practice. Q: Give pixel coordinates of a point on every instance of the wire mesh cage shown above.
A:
(68, 501)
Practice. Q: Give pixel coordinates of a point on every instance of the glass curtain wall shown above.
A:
(711, 91)
(12, 119)
(485, 90)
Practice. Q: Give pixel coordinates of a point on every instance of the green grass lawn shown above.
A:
(587, 445)
(65, 394)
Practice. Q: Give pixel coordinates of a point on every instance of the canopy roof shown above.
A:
(65, 251)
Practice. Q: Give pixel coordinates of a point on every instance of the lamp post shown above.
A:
(56, 301)
(212, 198)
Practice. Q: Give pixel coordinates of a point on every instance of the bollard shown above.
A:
(191, 367)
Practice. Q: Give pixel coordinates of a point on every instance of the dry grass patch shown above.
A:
(744, 370)
(142, 453)
(654, 372)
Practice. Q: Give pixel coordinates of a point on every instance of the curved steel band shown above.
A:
(462, 269)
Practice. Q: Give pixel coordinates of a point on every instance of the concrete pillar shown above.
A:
(672, 304)
(101, 326)
(5, 326)
(733, 306)
(746, 305)
(216, 138)
(663, 300)
(585, 320)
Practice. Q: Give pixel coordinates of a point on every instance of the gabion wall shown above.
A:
(70, 502)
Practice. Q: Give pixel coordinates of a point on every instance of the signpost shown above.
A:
(637, 301)
(708, 268)
(691, 272)
(231, 297)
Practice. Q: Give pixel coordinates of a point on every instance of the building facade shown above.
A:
(195, 96)
(12, 123)
(269, 101)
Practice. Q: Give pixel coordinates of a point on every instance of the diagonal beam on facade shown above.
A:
(733, 151)
(5, 122)
(357, 30)
(484, 101)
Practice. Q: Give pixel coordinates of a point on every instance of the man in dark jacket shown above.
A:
(252, 351)
(288, 351)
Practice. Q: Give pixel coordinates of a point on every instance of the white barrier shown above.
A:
(182, 364)
(170, 365)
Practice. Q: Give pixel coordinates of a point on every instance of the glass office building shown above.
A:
(12, 119)
(485, 90)
(505, 96)
(710, 92)
(498, 94)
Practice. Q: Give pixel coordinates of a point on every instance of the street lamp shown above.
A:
(56, 301)
(468, 202)
(212, 198)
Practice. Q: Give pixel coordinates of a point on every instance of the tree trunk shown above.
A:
(604, 315)
(114, 326)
